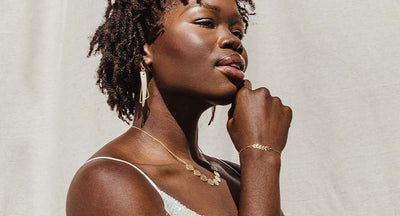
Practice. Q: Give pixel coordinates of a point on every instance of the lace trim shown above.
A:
(176, 208)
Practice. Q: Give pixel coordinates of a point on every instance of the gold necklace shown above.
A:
(217, 177)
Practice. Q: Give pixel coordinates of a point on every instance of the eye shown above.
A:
(206, 23)
(238, 34)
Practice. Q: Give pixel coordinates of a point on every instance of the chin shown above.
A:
(226, 96)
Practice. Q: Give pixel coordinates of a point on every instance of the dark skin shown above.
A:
(184, 84)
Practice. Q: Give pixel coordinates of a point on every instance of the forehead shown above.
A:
(213, 4)
(222, 7)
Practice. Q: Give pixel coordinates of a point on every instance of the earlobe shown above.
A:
(147, 57)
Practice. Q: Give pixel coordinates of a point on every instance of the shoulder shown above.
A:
(106, 187)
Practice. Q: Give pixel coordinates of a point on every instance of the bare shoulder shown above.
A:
(106, 187)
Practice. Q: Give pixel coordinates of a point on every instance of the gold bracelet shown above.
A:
(261, 147)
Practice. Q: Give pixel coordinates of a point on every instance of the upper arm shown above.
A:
(106, 187)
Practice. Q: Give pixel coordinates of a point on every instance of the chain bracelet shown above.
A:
(261, 147)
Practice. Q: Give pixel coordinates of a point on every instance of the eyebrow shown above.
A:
(209, 6)
(204, 5)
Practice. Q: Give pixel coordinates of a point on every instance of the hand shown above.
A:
(257, 117)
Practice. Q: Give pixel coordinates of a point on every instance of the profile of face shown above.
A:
(200, 54)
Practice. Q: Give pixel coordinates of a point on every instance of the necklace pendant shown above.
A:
(189, 167)
(196, 173)
(203, 178)
(210, 182)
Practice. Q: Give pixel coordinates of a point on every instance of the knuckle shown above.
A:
(263, 91)
(243, 91)
(288, 110)
(247, 82)
(277, 100)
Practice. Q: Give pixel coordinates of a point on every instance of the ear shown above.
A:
(147, 57)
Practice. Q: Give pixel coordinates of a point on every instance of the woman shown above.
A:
(163, 64)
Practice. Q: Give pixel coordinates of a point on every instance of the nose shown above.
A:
(230, 41)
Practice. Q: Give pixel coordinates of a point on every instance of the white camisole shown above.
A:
(171, 205)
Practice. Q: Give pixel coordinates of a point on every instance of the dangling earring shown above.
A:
(212, 115)
(144, 92)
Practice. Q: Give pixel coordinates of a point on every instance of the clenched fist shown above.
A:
(258, 117)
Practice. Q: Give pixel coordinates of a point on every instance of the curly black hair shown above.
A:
(128, 25)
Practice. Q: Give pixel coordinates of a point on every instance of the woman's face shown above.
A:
(200, 53)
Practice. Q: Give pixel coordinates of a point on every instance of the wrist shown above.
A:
(264, 158)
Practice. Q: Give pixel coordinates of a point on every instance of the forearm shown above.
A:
(260, 193)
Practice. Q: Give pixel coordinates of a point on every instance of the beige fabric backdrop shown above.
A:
(335, 62)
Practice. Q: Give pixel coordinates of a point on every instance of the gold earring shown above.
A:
(144, 91)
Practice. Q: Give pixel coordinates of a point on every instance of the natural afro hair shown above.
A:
(128, 25)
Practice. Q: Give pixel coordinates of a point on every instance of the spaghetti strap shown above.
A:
(126, 162)
(171, 205)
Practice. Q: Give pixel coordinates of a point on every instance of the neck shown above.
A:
(173, 120)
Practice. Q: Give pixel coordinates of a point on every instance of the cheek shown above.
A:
(178, 45)
(182, 55)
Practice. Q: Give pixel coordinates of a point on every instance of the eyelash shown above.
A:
(238, 34)
(210, 24)
(206, 24)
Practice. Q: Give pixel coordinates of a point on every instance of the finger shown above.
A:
(247, 84)
(289, 114)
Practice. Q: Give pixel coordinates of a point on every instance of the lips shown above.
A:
(232, 65)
